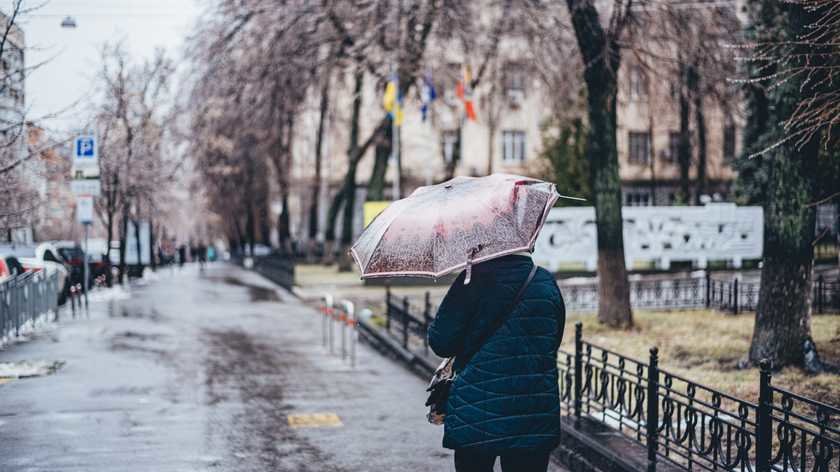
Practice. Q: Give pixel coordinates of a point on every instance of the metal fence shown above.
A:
(694, 427)
(26, 298)
(731, 296)
(402, 322)
(278, 268)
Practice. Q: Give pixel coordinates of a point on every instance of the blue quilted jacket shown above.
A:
(506, 397)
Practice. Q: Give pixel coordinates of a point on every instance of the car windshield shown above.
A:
(18, 251)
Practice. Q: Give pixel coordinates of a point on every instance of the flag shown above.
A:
(397, 114)
(392, 101)
(390, 97)
(464, 91)
(427, 95)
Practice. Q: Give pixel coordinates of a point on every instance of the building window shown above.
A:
(673, 147)
(515, 78)
(449, 144)
(729, 142)
(513, 146)
(638, 83)
(637, 198)
(639, 147)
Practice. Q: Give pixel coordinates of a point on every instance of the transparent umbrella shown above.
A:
(443, 228)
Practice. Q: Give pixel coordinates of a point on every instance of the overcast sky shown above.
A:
(73, 54)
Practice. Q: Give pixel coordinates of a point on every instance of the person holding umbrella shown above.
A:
(501, 322)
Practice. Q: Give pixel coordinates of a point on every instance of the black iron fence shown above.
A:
(26, 298)
(731, 296)
(694, 427)
(278, 268)
(402, 322)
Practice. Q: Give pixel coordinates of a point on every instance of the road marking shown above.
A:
(314, 420)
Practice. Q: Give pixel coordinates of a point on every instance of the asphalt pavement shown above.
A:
(209, 371)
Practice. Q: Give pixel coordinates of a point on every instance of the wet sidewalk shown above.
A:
(215, 371)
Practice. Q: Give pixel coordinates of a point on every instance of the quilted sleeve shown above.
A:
(448, 329)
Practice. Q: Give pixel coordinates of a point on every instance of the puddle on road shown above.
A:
(256, 292)
(27, 369)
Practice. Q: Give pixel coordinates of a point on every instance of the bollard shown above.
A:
(350, 321)
(342, 321)
(330, 333)
(328, 302)
(72, 296)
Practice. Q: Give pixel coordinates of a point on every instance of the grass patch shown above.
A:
(705, 347)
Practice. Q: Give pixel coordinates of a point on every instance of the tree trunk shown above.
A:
(332, 222)
(137, 245)
(684, 147)
(652, 156)
(601, 53)
(350, 178)
(319, 146)
(152, 252)
(284, 235)
(123, 240)
(112, 209)
(456, 154)
(782, 330)
(250, 228)
(700, 123)
(376, 186)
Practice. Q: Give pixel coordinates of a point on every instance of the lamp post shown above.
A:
(68, 22)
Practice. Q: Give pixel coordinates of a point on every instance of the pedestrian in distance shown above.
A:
(504, 328)
(201, 251)
(182, 255)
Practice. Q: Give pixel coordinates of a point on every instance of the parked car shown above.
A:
(39, 258)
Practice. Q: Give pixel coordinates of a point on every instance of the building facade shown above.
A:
(513, 108)
(23, 184)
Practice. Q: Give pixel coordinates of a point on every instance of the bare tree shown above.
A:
(132, 120)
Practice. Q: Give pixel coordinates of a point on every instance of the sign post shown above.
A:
(84, 215)
(85, 186)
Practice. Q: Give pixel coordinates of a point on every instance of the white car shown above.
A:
(42, 257)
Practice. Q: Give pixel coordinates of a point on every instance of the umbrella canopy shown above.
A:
(443, 228)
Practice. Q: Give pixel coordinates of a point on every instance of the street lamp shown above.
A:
(68, 22)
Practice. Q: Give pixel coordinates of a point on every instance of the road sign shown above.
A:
(90, 187)
(85, 157)
(84, 209)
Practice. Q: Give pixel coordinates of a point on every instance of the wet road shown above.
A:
(201, 372)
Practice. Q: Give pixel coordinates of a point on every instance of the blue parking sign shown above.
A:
(85, 147)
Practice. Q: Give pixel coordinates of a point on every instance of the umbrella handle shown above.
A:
(469, 273)
(472, 252)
